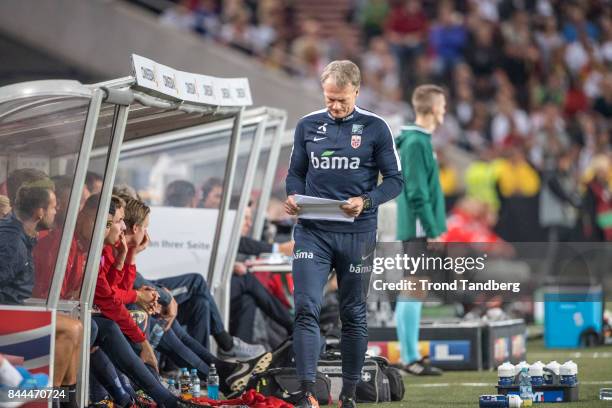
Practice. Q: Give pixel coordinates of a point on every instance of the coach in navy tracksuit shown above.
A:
(338, 153)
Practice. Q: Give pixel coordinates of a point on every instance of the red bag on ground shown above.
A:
(250, 398)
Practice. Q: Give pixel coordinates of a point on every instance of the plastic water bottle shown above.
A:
(172, 387)
(499, 401)
(525, 389)
(195, 383)
(156, 334)
(185, 383)
(569, 373)
(505, 374)
(519, 367)
(212, 385)
(551, 370)
(536, 372)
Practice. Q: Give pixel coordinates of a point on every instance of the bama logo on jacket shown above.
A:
(328, 161)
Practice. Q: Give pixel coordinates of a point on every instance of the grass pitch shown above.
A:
(462, 388)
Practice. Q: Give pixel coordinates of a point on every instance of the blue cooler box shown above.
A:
(570, 313)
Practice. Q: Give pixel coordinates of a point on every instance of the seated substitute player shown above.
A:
(338, 153)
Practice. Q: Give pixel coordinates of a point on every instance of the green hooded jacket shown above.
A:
(420, 205)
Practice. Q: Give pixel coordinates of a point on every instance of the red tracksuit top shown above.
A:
(114, 289)
(45, 253)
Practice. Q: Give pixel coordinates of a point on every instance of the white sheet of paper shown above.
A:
(315, 208)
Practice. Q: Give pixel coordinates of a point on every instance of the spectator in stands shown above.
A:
(237, 31)
(576, 24)
(380, 68)
(518, 183)
(517, 48)
(372, 17)
(310, 49)
(516, 177)
(575, 100)
(464, 105)
(5, 206)
(212, 193)
(481, 180)
(584, 132)
(483, 54)
(476, 135)
(180, 193)
(180, 16)
(597, 216)
(449, 179)
(550, 138)
(603, 104)
(269, 27)
(551, 91)
(509, 122)
(606, 39)
(406, 31)
(448, 37)
(549, 42)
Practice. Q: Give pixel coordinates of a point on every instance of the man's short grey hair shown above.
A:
(343, 73)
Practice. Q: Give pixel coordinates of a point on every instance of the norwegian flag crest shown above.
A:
(356, 141)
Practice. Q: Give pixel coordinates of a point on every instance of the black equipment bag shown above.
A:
(396, 382)
(283, 383)
(372, 387)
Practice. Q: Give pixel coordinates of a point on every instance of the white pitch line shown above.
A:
(477, 384)
(597, 354)
(595, 382)
(431, 385)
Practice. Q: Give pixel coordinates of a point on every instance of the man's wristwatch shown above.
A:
(367, 201)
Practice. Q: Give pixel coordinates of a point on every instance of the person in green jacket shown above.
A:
(421, 215)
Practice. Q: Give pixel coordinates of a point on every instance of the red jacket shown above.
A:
(112, 294)
(463, 227)
(122, 282)
(45, 255)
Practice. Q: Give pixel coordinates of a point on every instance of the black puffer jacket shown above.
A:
(16, 263)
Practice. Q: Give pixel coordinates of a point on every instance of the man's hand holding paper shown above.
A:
(315, 208)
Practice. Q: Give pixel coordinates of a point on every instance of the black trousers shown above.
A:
(197, 310)
(248, 294)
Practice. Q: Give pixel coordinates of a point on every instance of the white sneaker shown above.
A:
(241, 350)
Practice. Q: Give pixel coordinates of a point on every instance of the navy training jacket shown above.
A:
(340, 159)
